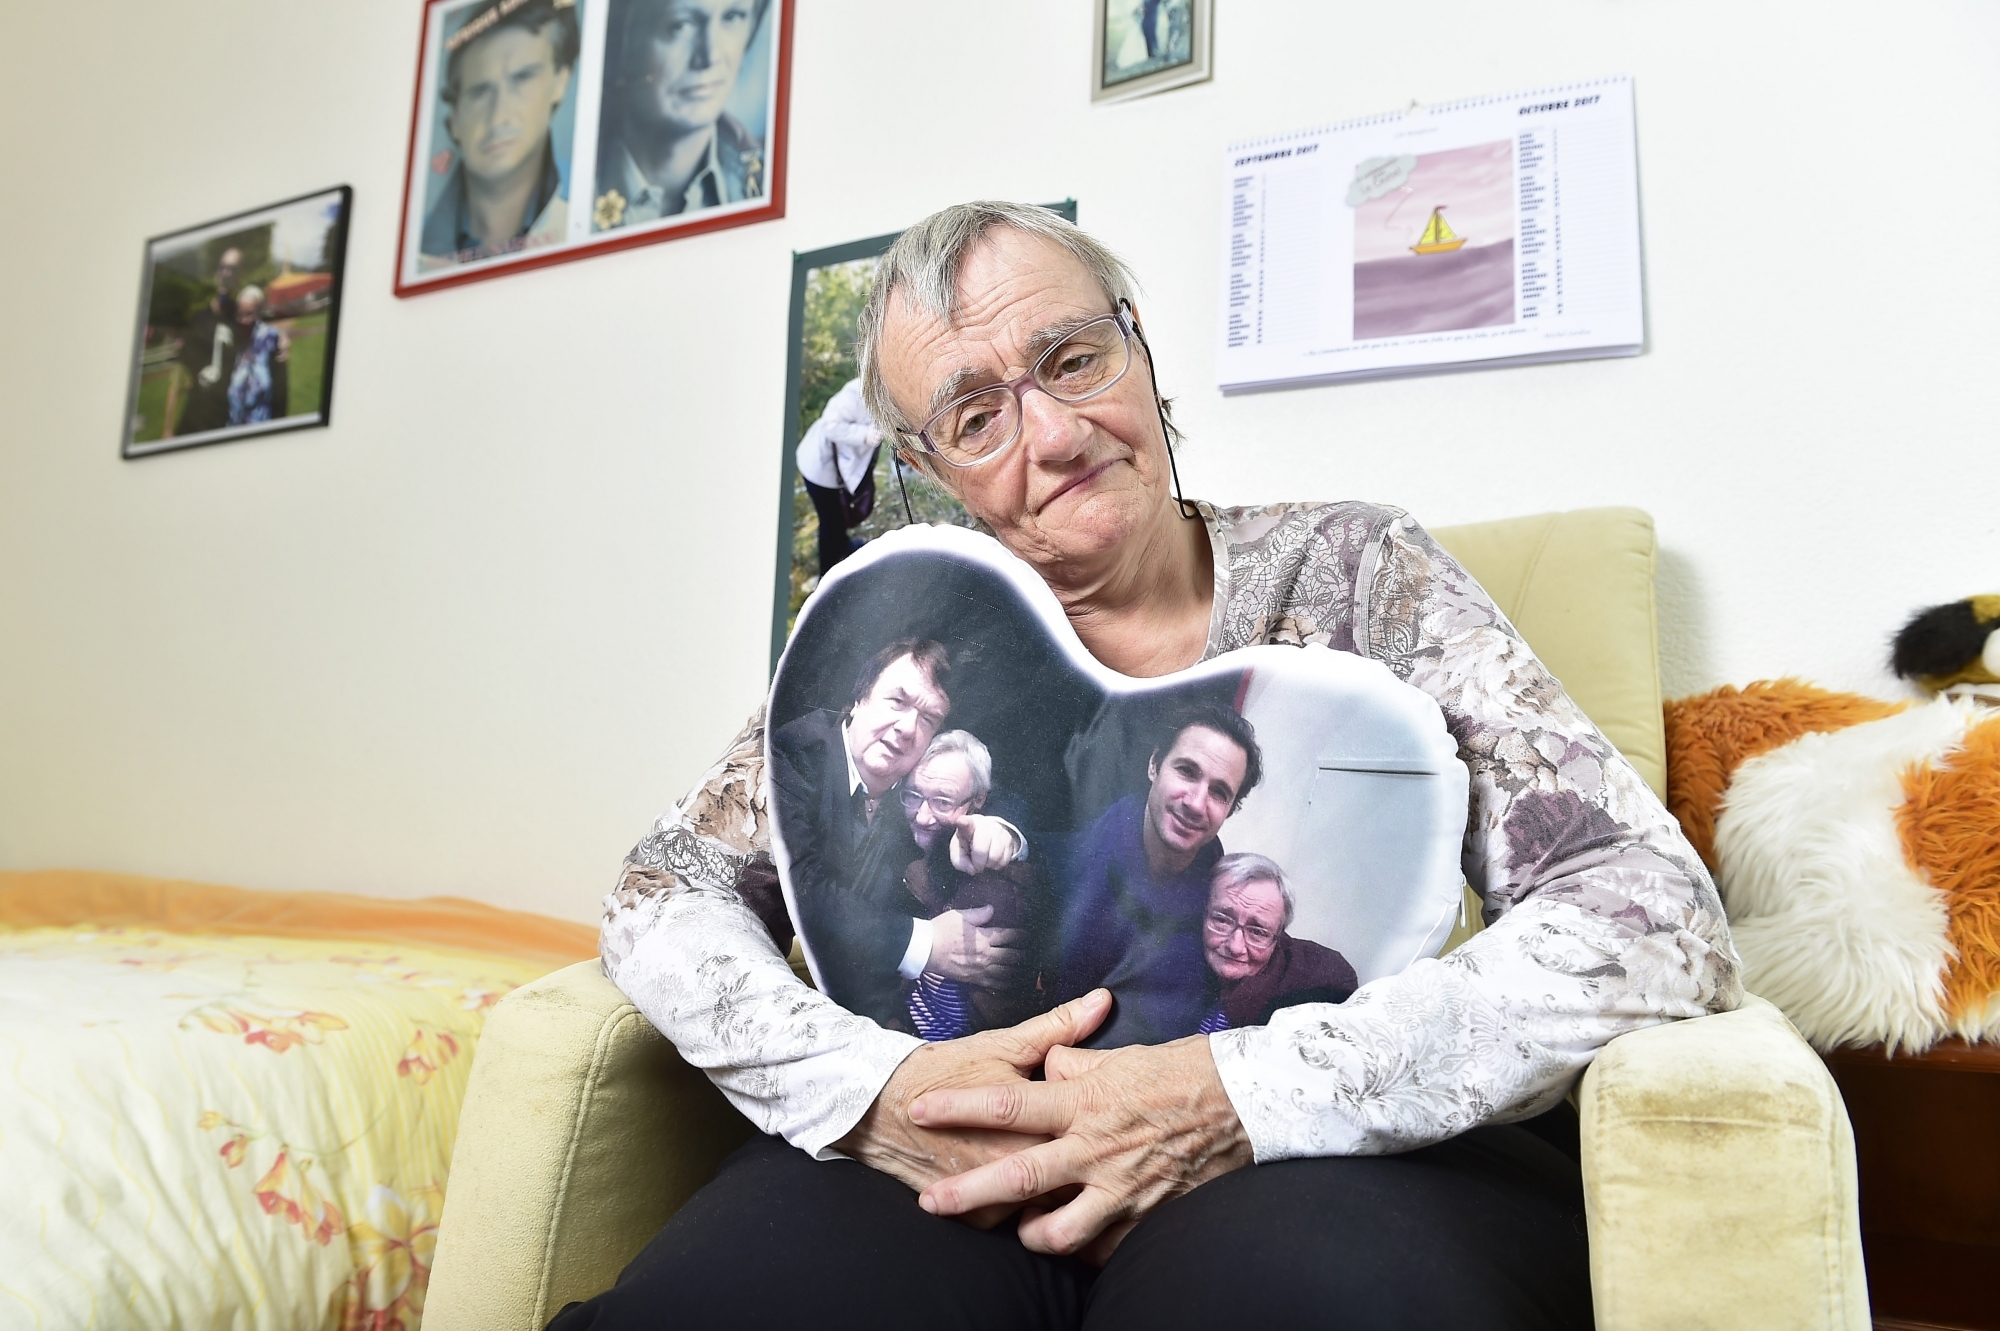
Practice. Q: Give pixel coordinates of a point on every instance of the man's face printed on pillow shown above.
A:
(890, 728)
(1194, 789)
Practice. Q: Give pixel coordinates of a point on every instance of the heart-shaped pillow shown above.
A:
(974, 819)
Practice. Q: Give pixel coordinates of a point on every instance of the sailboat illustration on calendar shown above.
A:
(1438, 237)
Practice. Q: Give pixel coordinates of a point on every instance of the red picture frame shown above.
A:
(591, 25)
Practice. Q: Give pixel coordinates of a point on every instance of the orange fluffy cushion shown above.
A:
(1710, 733)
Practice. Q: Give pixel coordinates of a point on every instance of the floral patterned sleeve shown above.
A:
(1600, 917)
(690, 936)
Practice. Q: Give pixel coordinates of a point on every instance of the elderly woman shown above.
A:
(1256, 966)
(1357, 1163)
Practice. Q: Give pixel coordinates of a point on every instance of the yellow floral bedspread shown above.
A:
(228, 1131)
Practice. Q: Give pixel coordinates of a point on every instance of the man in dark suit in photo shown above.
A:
(837, 782)
(209, 344)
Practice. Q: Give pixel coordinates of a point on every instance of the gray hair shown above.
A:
(924, 263)
(254, 293)
(1244, 867)
(978, 760)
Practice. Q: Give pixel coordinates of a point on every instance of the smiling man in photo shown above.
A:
(668, 146)
(509, 64)
(1138, 880)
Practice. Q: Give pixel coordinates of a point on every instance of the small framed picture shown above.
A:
(840, 483)
(1146, 46)
(236, 326)
(548, 130)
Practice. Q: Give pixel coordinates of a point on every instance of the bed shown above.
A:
(235, 1109)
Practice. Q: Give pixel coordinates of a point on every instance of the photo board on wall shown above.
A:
(549, 130)
(839, 486)
(237, 325)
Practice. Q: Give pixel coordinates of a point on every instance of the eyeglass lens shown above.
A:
(940, 805)
(1085, 363)
(1222, 926)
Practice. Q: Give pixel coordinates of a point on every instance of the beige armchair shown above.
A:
(1718, 1163)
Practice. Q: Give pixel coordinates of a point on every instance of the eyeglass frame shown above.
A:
(931, 800)
(1215, 926)
(1128, 330)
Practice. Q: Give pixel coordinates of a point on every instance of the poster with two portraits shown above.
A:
(547, 130)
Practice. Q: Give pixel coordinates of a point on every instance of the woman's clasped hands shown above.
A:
(1083, 1155)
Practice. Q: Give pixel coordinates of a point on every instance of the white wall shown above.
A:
(472, 638)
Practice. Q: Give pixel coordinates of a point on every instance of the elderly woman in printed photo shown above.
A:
(951, 785)
(1255, 966)
(1395, 1160)
(667, 144)
(260, 381)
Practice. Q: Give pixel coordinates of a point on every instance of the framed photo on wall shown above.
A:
(1146, 46)
(237, 322)
(548, 130)
(840, 484)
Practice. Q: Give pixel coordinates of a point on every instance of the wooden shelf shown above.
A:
(1927, 1141)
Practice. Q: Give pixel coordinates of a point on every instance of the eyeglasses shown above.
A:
(977, 427)
(1221, 924)
(940, 806)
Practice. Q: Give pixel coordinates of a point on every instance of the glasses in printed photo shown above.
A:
(1082, 362)
(1221, 924)
(941, 806)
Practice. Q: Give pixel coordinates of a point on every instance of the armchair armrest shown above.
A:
(582, 1133)
(1719, 1180)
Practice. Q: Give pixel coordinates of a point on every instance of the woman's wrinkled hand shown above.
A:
(1115, 1133)
(888, 1139)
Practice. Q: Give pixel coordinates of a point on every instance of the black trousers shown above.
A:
(834, 542)
(1483, 1231)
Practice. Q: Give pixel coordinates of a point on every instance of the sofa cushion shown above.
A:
(1579, 587)
(582, 1133)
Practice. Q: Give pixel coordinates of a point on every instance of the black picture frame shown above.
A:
(172, 312)
(804, 263)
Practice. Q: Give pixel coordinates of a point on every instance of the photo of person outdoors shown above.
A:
(831, 511)
(237, 326)
(839, 780)
(208, 354)
(1255, 967)
(836, 461)
(1135, 888)
(498, 178)
(681, 77)
(260, 382)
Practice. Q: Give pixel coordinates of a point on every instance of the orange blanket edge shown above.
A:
(61, 898)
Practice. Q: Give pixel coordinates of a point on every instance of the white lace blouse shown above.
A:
(1600, 918)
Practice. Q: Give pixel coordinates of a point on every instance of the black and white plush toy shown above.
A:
(1954, 647)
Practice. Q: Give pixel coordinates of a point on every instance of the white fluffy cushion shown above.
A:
(1833, 925)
